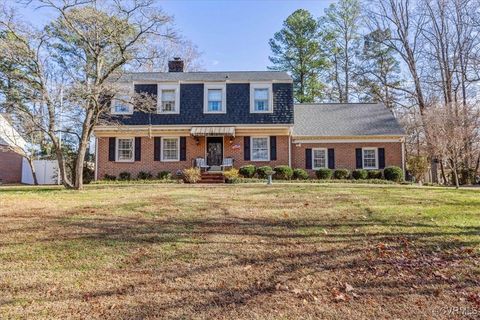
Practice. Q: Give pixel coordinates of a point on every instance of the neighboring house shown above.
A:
(10, 161)
(249, 117)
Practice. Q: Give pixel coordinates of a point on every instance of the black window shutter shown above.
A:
(246, 148)
(331, 158)
(138, 149)
(111, 149)
(308, 158)
(156, 148)
(273, 148)
(381, 158)
(183, 148)
(358, 155)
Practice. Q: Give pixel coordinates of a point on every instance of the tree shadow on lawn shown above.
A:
(241, 265)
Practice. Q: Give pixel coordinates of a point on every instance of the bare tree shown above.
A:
(73, 64)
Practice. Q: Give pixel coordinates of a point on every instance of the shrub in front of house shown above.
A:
(109, 177)
(124, 176)
(142, 175)
(262, 172)
(231, 176)
(341, 174)
(191, 175)
(324, 173)
(393, 173)
(164, 175)
(374, 174)
(360, 174)
(247, 171)
(300, 174)
(283, 172)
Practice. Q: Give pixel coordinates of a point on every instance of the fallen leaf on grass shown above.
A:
(348, 288)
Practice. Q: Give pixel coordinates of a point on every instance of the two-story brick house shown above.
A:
(249, 117)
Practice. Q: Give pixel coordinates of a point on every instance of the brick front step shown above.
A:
(210, 177)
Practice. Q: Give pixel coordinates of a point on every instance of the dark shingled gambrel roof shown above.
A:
(207, 76)
(338, 119)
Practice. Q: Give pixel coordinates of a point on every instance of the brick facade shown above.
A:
(232, 148)
(345, 153)
(10, 167)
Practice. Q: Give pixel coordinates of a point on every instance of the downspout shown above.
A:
(290, 148)
(96, 158)
(403, 157)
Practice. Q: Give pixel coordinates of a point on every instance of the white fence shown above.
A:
(46, 170)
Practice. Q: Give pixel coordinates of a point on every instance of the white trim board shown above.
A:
(349, 141)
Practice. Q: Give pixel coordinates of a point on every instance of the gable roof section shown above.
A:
(351, 119)
(9, 136)
(206, 76)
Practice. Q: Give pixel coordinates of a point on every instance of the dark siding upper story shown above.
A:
(237, 110)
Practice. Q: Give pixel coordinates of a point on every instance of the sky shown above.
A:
(230, 34)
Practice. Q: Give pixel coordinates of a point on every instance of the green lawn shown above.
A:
(290, 251)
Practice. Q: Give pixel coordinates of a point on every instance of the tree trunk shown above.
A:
(61, 166)
(82, 149)
(34, 173)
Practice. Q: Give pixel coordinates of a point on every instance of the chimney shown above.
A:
(175, 65)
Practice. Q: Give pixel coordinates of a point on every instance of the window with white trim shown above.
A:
(261, 98)
(319, 158)
(168, 98)
(215, 98)
(260, 148)
(125, 149)
(370, 158)
(121, 105)
(170, 149)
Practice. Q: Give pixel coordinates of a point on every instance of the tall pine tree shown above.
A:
(379, 76)
(340, 38)
(295, 49)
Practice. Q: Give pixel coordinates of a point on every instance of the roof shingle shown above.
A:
(207, 76)
(352, 119)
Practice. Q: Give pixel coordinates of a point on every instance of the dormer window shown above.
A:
(168, 98)
(121, 105)
(261, 98)
(215, 98)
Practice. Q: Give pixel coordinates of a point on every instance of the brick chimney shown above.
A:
(175, 65)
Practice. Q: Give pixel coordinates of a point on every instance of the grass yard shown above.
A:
(333, 251)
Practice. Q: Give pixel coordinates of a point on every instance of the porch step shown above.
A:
(212, 177)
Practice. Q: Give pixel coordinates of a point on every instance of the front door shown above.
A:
(214, 151)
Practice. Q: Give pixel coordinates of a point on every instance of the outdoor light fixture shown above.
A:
(231, 140)
(197, 141)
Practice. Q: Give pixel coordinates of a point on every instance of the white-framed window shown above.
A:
(121, 104)
(370, 158)
(319, 158)
(260, 148)
(261, 98)
(215, 98)
(168, 98)
(170, 149)
(125, 149)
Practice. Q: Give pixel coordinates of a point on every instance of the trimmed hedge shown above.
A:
(341, 174)
(393, 173)
(164, 175)
(142, 175)
(374, 174)
(247, 171)
(262, 172)
(283, 173)
(360, 174)
(109, 177)
(300, 174)
(324, 174)
(124, 176)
